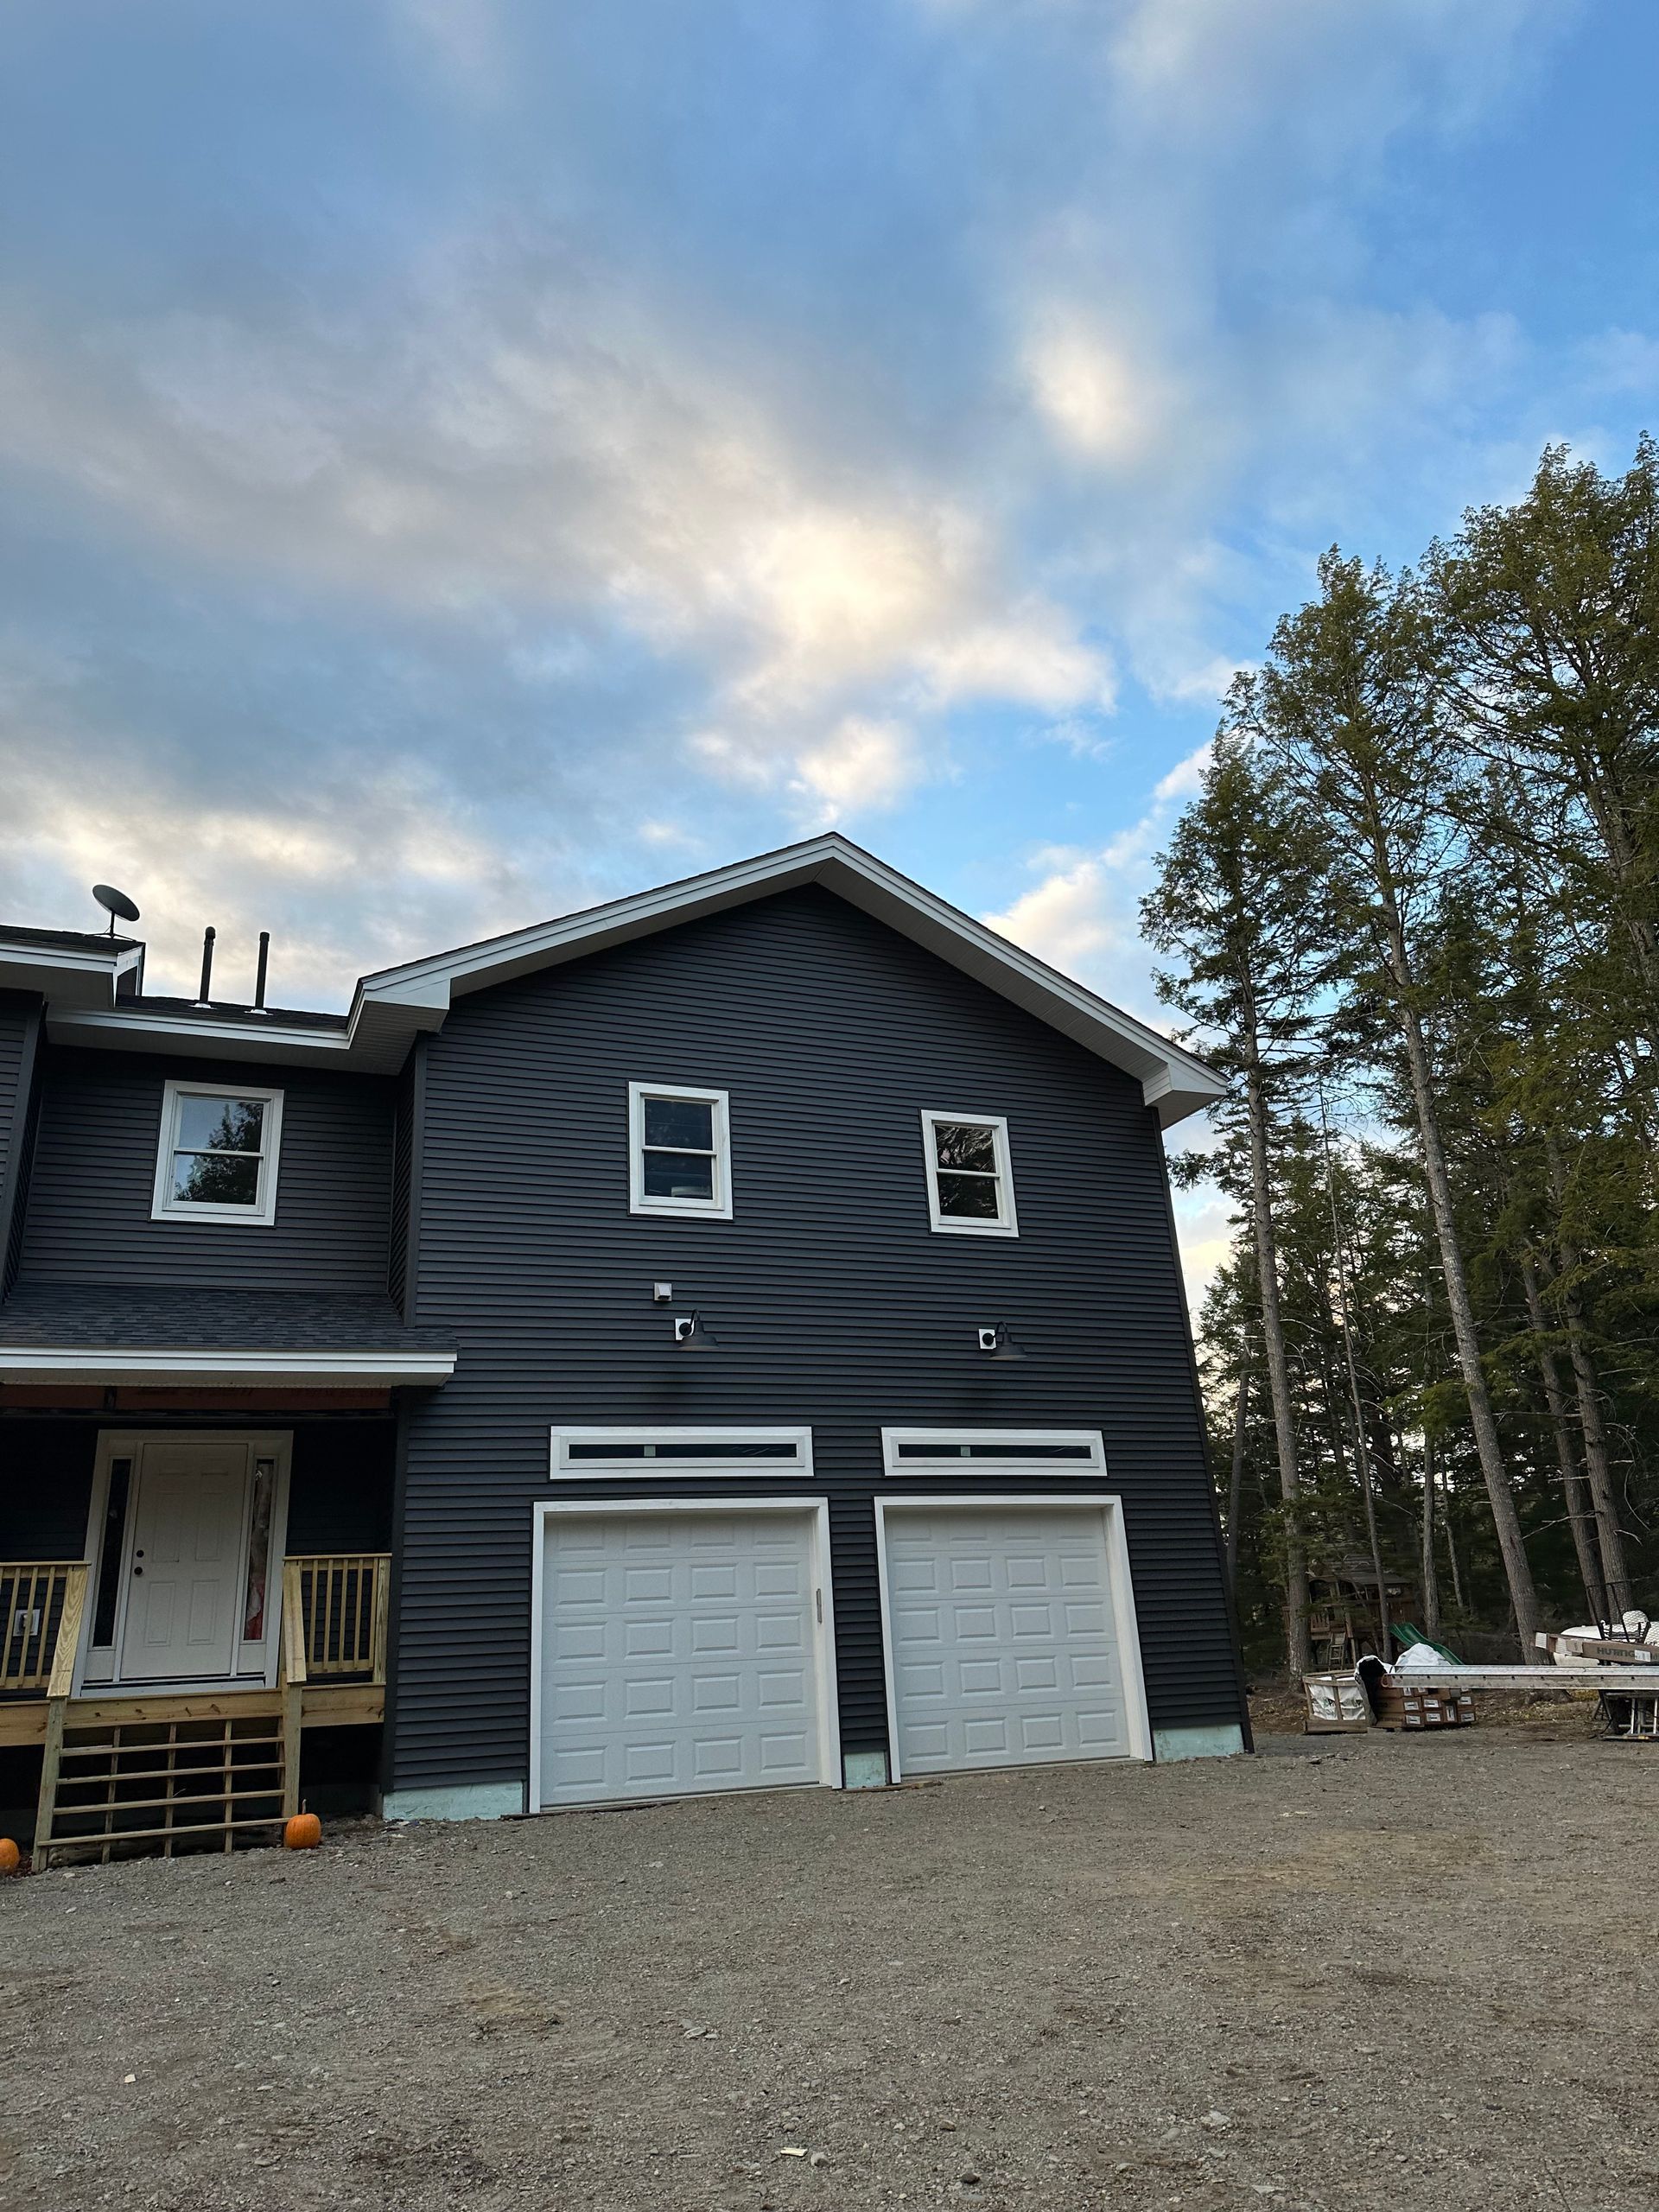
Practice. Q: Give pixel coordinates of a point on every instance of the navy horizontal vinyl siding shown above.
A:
(93, 1177)
(340, 1486)
(833, 1303)
(20, 1022)
(339, 1489)
(46, 1487)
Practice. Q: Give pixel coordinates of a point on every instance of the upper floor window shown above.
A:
(970, 1176)
(679, 1151)
(218, 1158)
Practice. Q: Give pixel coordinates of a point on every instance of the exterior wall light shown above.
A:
(691, 1334)
(999, 1343)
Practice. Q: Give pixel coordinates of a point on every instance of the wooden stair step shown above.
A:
(170, 1773)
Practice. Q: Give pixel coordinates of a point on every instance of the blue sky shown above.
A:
(458, 462)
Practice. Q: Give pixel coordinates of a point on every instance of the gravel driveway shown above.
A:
(1393, 1975)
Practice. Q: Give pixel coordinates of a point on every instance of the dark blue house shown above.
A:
(732, 1338)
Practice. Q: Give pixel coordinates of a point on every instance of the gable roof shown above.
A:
(1174, 1081)
(391, 1007)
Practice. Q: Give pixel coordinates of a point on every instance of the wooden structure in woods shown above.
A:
(1344, 1620)
(170, 1770)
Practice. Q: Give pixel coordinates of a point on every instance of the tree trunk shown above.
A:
(1273, 1342)
(1584, 1540)
(1516, 1566)
(1596, 1463)
(1362, 1450)
(1236, 1484)
(1458, 1598)
(1430, 1571)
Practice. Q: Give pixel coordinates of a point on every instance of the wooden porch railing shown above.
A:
(41, 1602)
(339, 1601)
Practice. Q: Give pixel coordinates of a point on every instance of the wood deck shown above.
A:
(229, 1755)
(322, 1705)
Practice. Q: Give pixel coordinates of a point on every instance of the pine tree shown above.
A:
(1238, 896)
(1346, 706)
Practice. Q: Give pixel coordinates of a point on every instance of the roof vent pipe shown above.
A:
(259, 974)
(207, 936)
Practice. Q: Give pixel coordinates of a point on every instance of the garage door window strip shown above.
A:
(581, 1454)
(907, 1451)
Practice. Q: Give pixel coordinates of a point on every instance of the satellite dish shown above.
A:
(114, 903)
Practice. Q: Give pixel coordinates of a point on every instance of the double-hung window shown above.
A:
(969, 1175)
(679, 1151)
(218, 1158)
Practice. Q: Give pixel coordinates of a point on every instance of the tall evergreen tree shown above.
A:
(1346, 706)
(1238, 896)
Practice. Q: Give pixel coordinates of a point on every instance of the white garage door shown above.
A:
(680, 1654)
(1004, 1647)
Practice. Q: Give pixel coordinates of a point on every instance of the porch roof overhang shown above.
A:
(246, 1368)
(235, 1339)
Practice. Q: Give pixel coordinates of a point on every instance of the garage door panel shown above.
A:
(1028, 1669)
(679, 1653)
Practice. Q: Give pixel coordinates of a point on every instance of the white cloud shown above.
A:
(1101, 401)
(1082, 912)
(860, 765)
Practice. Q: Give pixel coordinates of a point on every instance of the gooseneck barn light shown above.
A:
(691, 1334)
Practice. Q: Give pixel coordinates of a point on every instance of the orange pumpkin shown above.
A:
(10, 1858)
(303, 1833)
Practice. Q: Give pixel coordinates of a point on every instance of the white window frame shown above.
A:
(262, 1214)
(946, 1457)
(1137, 1718)
(1007, 1221)
(816, 1509)
(679, 1470)
(719, 1208)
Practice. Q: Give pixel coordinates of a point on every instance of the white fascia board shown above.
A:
(377, 1042)
(38, 1364)
(76, 979)
(1173, 1080)
(569, 936)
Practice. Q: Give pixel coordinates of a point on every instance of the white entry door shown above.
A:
(682, 1652)
(1003, 1644)
(184, 1561)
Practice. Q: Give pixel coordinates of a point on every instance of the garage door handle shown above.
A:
(818, 1594)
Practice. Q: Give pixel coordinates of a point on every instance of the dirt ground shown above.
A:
(1400, 1973)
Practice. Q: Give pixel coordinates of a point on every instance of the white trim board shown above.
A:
(47, 1363)
(1117, 1569)
(815, 1509)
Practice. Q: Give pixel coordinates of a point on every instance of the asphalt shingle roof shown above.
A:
(108, 1317)
(67, 940)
